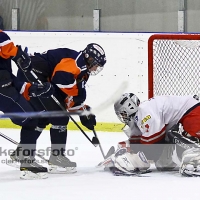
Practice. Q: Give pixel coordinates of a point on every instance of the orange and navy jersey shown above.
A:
(67, 68)
(7, 50)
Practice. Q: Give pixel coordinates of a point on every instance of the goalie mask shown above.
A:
(94, 55)
(126, 107)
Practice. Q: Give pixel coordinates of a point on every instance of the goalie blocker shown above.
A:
(190, 161)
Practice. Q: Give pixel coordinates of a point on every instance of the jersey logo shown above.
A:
(146, 119)
(126, 161)
(147, 127)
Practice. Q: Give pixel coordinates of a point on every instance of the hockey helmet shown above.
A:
(94, 55)
(126, 107)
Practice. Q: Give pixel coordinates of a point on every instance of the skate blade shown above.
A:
(53, 169)
(14, 164)
(28, 175)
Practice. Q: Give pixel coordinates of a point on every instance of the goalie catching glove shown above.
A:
(22, 59)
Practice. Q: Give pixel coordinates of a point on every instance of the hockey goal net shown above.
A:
(174, 64)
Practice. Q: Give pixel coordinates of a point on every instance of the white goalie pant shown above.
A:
(129, 162)
(169, 159)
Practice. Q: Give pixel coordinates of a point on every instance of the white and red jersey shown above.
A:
(156, 116)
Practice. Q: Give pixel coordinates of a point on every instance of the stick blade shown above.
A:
(108, 158)
(110, 152)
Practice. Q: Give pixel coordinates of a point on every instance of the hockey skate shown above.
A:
(60, 164)
(14, 160)
(29, 169)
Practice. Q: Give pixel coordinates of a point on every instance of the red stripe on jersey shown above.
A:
(134, 139)
(153, 138)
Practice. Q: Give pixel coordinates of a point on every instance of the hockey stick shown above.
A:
(41, 114)
(101, 149)
(62, 113)
(95, 139)
(14, 142)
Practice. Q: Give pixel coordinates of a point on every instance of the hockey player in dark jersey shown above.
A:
(14, 97)
(68, 70)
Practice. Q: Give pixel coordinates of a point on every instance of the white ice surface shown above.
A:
(91, 183)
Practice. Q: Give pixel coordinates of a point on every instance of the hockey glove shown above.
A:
(44, 91)
(22, 59)
(89, 121)
(73, 101)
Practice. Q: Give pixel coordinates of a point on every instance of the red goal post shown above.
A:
(173, 64)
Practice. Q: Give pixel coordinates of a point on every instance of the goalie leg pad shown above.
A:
(190, 164)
